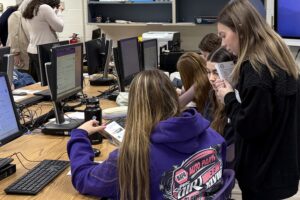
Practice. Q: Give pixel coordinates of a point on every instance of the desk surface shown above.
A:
(37, 147)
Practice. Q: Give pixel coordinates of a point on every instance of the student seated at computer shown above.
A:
(164, 153)
(192, 70)
(203, 88)
(209, 43)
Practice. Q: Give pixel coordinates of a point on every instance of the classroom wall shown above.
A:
(7, 3)
(76, 21)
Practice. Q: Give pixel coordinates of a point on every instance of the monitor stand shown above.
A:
(61, 126)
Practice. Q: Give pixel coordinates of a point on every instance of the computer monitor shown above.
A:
(3, 51)
(65, 79)
(129, 60)
(149, 54)
(96, 33)
(95, 55)
(8, 66)
(10, 127)
(44, 56)
(98, 54)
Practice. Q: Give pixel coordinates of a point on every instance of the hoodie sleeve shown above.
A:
(89, 177)
(187, 96)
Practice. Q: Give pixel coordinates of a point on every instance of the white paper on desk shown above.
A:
(224, 70)
(19, 98)
(26, 91)
(75, 115)
(69, 172)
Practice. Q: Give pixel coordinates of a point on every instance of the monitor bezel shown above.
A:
(53, 70)
(19, 132)
(3, 51)
(276, 22)
(92, 69)
(127, 80)
(143, 52)
(43, 49)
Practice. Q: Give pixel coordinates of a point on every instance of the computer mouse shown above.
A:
(97, 152)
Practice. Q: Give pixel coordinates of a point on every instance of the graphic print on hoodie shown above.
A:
(198, 177)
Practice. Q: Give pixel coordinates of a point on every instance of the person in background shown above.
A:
(24, 5)
(219, 120)
(209, 43)
(201, 76)
(44, 20)
(263, 107)
(159, 141)
(21, 79)
(192, 70)
(4, 21)
(18, 38)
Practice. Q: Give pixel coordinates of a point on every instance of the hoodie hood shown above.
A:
(181, 133)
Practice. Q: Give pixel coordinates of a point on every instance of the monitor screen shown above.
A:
(287, 18)
(66, 71)
(44, 55)
(9, 120)
(150, 54)
(129, 56)
(95, 55)
(3, 51)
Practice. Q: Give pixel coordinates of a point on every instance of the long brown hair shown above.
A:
(152, 98)
(259, 43)
(219, 117)
(192, 69)
(33, 7)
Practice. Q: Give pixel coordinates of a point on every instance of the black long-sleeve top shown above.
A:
(4, 24)
(265, 124)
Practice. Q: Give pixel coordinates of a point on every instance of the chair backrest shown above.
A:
(230, 156)
(229, 181)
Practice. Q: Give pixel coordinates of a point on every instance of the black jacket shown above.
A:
(266, 130)
(4, 24)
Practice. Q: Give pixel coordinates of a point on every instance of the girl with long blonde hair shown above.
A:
(262, 107)
(159, 145)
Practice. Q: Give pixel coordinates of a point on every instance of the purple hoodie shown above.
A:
(186, 160)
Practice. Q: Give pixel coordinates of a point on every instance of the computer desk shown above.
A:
(37, 147)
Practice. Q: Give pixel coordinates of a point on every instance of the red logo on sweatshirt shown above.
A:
(195, 177)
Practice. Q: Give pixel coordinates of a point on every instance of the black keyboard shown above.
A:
(43, 93)
(38, 177)
(29, 101)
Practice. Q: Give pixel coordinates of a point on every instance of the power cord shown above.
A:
(16, 154)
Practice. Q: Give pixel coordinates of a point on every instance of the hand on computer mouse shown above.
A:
(91, 127)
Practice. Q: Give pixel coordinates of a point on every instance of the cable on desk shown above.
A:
(16, 154)
(59, 157)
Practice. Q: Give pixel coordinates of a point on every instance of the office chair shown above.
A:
(230, 156)
(229, 180)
